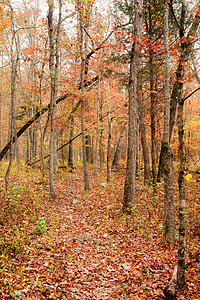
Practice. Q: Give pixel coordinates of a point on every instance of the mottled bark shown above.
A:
(181, 279)
(129, 188)
(178, 82)
(53, 69)
(153, 120)
(182, 210)
(85, 171)
(145, 149)
(169, 218)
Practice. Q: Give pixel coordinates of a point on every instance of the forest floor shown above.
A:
(81, 246)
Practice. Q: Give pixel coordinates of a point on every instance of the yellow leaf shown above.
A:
(121, 278)
(110, 206)
(188, 176)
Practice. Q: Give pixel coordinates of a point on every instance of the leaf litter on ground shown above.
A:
(88, 248)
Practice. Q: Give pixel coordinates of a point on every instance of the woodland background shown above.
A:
(68, 230)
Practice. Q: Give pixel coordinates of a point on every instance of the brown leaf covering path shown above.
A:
(88, 249)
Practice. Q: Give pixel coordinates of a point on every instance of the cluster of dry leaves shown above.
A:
(87, 248)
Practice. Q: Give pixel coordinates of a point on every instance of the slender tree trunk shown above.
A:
(181, 280)
(177, 84)
(169, 218)
(129, 188)
(98, 119)
(40, 118)
(52, 99)
(153, 121)
(145, 149)
(109, 144)
(144, 143)
(71, 149)
(53, 59)
(120, 145)
(182, 211)
(14, 63)
(92, 150)
(137, 171)
(88, 147)
(97, 132)
(101, 148)
(85, 171)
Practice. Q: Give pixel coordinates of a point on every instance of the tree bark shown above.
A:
(14, 63)
(109, 144)
(120, 145)
(53, 68)
(98, 119)
(169, 217)
(153, 120)
(85, 171)
(142, 129)
(129, 188)
(181, 279)
(177, 83)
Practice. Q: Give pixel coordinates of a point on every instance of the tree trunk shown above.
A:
(120, 145)
(169, 218)
(153, 121)
(137, 170)
(40, 118)
(88, 147)
(182, 211)
(52, 99)
(129, 188)
(14, 63)
(98, 118)
(181, 280)
(177, 84)
(92, 150)
(142, 129)
(101, 155)
(86, 179)
(53, 68)
(109, 144)
(71, 149)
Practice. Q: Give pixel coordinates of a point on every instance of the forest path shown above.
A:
(102, 255)
(89, 249)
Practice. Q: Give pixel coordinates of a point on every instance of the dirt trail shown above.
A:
(91, 251)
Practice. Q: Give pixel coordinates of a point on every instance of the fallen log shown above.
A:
(170, 290)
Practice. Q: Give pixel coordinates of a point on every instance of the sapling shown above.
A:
(41, 225)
